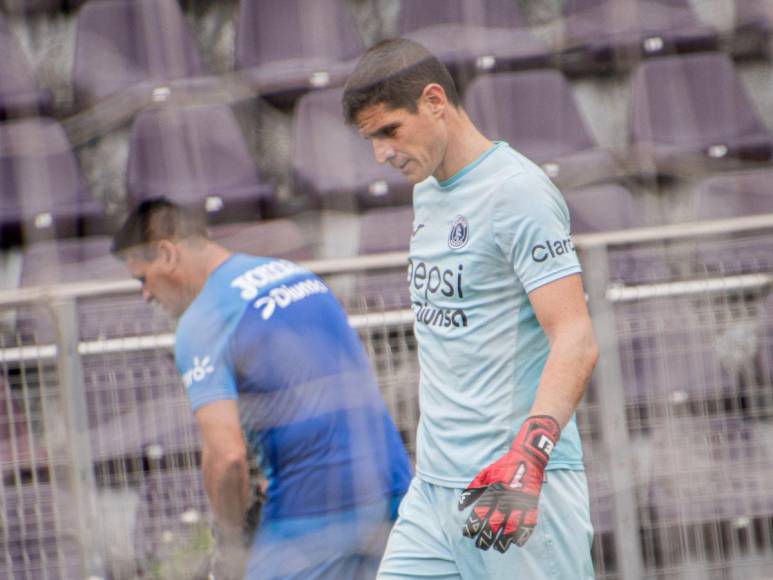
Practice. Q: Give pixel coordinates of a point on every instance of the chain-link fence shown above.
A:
(100, 454)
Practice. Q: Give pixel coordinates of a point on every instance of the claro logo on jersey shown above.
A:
(550, 249)
(428, 281)
(252, 281)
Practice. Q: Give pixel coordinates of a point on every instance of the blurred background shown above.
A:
(654, 117)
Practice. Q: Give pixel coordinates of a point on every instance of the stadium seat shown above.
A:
(99, 317)
(19, 93)
(691, 113)
(137, 407)
(471, 36)
(671, 354)
(335, 164)
(536, 114)
(605, 34)
(287, 48)
(131, 43)
(173, 507)
(198, 157)
(42, 193)
(37, 538)
(729, 196)
(384, 230)
(280, 238)
(20, 447)
(753, 26)
(711, 469)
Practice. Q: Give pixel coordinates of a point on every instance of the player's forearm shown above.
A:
(226, 482)
(573, 355)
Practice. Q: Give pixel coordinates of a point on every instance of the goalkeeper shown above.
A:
(504, 338)
(272, 366)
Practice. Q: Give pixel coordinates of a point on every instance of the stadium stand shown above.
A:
(282, 238)
(136, 406)
(122, 44)
(198, 157)
(753, 25)
(535, 113)
(690, 114)
(19, 92)
(284, 49)
(734, 195)
(487, 35)
(20, 448)
(603, 35)
(334, 164)
(384, 230)
(34, 538)
(78, 260)
(42, 193)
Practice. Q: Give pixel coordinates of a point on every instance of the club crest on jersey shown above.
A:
(459, 234)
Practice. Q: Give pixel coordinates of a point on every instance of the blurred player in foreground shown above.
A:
(270, 363)
(505, 342)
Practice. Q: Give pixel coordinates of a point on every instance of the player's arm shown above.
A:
(224, 465)
(563, 314)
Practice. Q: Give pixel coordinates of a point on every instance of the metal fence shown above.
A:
(99, 452)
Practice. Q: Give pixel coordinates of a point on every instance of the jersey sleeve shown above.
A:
(204, 361)
(531, 228)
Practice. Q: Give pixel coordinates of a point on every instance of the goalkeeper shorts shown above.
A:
(427, 542)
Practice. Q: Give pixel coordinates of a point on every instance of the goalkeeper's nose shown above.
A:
(383, 151)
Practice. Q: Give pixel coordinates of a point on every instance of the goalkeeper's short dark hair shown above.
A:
(394, 72)
(157, 219)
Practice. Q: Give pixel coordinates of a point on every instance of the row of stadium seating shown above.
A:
(198, 154)
(291, 47)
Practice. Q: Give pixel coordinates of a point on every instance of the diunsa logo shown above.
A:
(459, 234)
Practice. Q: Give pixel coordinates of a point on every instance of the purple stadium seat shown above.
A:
(611, 207)
(137, 406)
(278, 238)
(127, 43)
(385, 230)
(41, 190)
(292, 46)
(19, 93)
(19, 446)
(692, 112)
(198, 157)
(729, 196)
(674, 351)
(486, 34)
(332, 162)
(37, 535)
(78, 260)
(753, 26)
(536, 113)
(173, 505)
(603, 33)
(711, 469)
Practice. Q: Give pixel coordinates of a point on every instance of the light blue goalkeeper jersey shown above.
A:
(482, 240)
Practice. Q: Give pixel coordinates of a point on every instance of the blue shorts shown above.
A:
(340, 546)
(427, 542)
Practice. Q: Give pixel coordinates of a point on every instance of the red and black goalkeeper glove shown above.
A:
(507, 491)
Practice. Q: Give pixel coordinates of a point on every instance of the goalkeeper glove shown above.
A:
(507, 491)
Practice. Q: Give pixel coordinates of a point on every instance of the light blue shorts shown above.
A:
(427, 541)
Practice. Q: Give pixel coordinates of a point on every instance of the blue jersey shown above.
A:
(270, 335)
(482, 241)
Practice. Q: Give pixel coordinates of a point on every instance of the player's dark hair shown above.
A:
(394, 72)
(153, 220)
